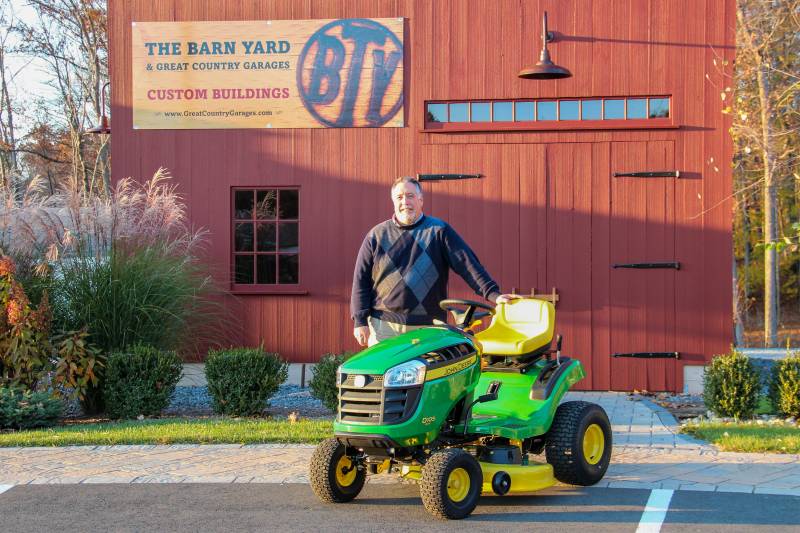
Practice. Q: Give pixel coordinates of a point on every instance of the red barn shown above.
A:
(284, 122)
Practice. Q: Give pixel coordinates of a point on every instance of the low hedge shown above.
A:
(25, 409)
(241, 380)
(140, 381)
(731, 386)
(784, 387)
(323, 383)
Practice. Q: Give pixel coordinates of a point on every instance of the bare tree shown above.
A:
(767, 88)
(8, 136)
(70, 37)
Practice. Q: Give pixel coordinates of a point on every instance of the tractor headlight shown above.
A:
(405, 375)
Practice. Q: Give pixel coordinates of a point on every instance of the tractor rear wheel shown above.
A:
(335, 477)
(451, 484)
(579, 443)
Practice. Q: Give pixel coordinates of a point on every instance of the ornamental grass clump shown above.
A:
(241, 380)
(140, 381)
(731, 386)
(784, 389)
(323, 383)
(123, 263)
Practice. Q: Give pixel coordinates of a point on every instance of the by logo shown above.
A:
(350, 74)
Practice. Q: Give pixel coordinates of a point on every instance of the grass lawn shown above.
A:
(175, 431)
(748, 436)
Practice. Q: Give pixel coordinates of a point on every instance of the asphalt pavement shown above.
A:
(380, 507)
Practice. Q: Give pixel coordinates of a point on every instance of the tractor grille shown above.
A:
(373, 404)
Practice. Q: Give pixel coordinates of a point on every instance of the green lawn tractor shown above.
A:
(463, 413)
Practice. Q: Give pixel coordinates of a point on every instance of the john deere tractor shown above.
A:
(464, 413)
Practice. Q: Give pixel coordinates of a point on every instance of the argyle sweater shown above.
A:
(401, 272)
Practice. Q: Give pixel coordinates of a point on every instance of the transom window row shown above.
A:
(584, 109)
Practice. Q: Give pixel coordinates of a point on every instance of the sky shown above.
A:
(30, 77)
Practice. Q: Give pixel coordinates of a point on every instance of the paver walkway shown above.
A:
(647, 454)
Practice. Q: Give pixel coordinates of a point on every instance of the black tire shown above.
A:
(328, 484)
(578, 458)
(452, 466)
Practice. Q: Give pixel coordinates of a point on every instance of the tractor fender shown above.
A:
(551, 379)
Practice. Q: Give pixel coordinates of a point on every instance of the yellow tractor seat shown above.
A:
(519, 327)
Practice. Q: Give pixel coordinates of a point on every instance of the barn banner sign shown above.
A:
(341, 73)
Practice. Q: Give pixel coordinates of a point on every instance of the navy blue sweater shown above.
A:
(401, 272)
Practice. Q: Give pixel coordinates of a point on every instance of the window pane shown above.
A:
(436, 113)
(523, 111)
(637, 108)
(243, 204)
(266, 202)
(288, 237)
(458, 113)
(503, 111)
(480, 112)
(591, 109)
(243, 269)
(614, 109)
(290, 203)
(287, 269)
(266, 237)
(659, 107)
(546, 110)
(265, 269)
(243, 238)
(568, 110)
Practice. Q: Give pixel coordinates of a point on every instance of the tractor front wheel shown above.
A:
(335, 477)
(579, 443)
(451, 484)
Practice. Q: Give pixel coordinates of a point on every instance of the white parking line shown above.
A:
(4, 488)
(655, 511)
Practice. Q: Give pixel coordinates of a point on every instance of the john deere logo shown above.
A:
(347, 74)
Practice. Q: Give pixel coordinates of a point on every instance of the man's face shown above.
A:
(407, 201)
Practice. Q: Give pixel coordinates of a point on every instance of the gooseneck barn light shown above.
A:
(545, 69)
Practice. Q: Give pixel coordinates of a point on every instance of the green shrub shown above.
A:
(731, 386)
(241, 380)
(78, 363)
(25, 409)
(323, 383)
(24, 332)
(140, 381)
(784, 389)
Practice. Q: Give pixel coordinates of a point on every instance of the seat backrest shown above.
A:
(529, 316)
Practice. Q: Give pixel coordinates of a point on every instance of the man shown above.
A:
(402, 269)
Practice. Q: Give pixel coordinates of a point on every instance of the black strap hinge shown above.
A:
(655, 174)
(443, 177)
(649, 355)
(665, 264)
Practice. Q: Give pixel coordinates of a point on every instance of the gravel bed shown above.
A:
(288, 399)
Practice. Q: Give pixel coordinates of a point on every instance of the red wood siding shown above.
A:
(548, 213)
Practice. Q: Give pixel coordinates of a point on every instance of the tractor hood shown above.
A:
(392, 352)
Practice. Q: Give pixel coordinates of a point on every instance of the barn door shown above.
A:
(643, 267)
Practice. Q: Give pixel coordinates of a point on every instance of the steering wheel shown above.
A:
(465, 317)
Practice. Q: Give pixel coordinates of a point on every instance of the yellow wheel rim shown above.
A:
(345, 473)
(458, 485)
(594, 443)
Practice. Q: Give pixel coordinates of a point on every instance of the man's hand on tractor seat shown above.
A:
(361, 334)
(505, 298)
